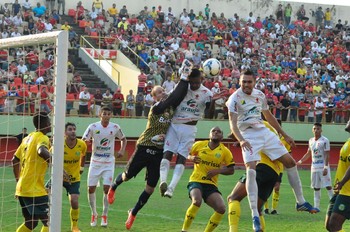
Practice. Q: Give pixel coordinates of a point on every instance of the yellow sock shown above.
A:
(213, 222)
(342, 230)
(275, 199)
(74, 217)
(266, 205)
(44, 229)
(190, 215)
(234, 214)
(23, 228)
(262, 222)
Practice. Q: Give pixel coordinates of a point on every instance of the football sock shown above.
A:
(23, 228)
(213, 222)
(266, 205)
(74, 217)
(252, 191)
(234, 214)
(330, 193)
(262, 222)
(118, 180)
(190, 215)
(178, 171)
(294, 181)
(275, 199)
(317, 198)
(105, 205)
(44, 229)
(164, 169)
(141, 202)
(92, 202)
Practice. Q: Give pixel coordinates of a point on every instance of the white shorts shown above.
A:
(262, 140)
(318, 180)
(98, 170)
(180, 138)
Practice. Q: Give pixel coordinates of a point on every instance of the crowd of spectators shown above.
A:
(303, 67)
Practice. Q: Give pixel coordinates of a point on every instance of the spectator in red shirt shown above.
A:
(142, 82)
(22, 99)
(118, 100)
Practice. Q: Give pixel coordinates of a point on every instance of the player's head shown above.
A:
(105, 114)
(70, 131)
(158, 93)
(195, 79)
(42, 122)
(247, 81)
(347, 126)
(216, 134)
(317, 129)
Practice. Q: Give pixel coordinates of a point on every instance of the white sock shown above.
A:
(252, 191)
(164, 169)
(294, 181)
(330, 193)
(92, 202)
(178, 171)
(105, 205)
(317, 198)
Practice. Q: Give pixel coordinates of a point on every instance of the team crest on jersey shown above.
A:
(217, 155)
(97, 132)
(341, 207)
(77, 153)
(192, 103)
(257, 100)
(104, 142)
(197, 96)
(243, 102)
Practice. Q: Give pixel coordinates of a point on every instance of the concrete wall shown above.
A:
(228, 7)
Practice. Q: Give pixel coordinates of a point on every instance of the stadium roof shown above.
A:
(325, 2)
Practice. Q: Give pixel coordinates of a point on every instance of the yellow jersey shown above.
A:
(343, 165)
(33, 167)
(210, 160)
(328, 16)
(98, 4)
(65, 27)
(112, 11)
(72, 157)
(276, 165)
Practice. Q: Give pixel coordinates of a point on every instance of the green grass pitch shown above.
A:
(163, 214)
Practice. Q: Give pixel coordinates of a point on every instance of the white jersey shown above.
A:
(103, 141)
(192, 106)
(318, 149)
(248, 108)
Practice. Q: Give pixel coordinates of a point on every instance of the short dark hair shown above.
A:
(195, 73)
(248, 72)
(317, 124)
(40, 120)
(70, 124)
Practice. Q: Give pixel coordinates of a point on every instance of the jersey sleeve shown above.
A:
(327, 146)
(43, 141)
(228, 157)
(119, 134)
(19, 151)
(264, 105)
(209, 95)
(232, 104)
(83, 148)
(87, 134)
(194, 149)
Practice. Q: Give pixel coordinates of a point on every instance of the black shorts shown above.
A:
(339, 204)
(266, 179)
(206, 189)
(144, 156)
(34, 206)
(280, 177)
(72, 188)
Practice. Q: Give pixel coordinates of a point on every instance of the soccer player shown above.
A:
(103, 134)
(210, 158)
(245, 107)
(30, 163)
(182, 131)
(74, 160)
(149, 148)
(275, 196)
(320, 172)
(339, 205)
(267, 174)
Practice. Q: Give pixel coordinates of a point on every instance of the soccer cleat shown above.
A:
(93, 220)
(169, 192)
(110, 196)
(162, 188)
(306, 206)
(274, 212)
(266, 211)
(256, 224)
(104, 221)
(75, 229)
(130, 220)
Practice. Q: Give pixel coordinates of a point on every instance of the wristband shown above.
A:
(300, 162)
(81, 169)
(326, 166)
